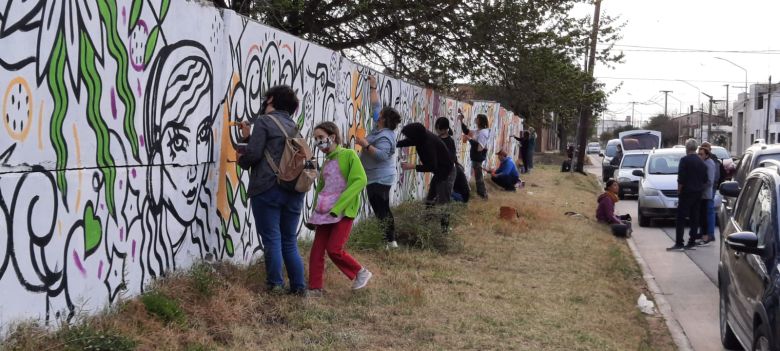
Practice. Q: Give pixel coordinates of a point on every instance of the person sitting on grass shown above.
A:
(506, 175)
(605, 213)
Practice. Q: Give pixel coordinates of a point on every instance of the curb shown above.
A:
(678, 334)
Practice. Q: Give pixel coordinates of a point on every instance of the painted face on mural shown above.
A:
(183, 121)
(186, 132)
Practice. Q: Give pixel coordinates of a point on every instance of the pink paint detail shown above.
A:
(122, 234)
(138, 66)
(124, 15)
(132, 252)
(77, 260)
(139, 87)
(141, 140)
(113, 103)
(100, 269)
(101, 206)
(132, 172)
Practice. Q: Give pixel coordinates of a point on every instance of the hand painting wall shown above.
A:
(117, 163)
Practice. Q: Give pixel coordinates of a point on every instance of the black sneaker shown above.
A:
(676, 248)
(690, 246)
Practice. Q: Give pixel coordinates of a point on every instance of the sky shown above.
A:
(717, 26)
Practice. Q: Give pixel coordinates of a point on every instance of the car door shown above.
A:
(752, 269)
(743, 213)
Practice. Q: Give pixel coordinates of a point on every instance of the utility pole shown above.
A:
(666, 96)
(701, 122)
(631, 122)
(709, 124)
(582, 129)
(768, 101)
(730, 142)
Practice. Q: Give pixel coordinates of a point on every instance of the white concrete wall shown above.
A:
(116, 160)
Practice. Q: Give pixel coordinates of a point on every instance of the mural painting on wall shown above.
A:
(117, 161)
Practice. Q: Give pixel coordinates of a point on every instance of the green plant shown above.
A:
(87, 337)
(203, 279)
(163, 307)
(368, 234)
(420, 226)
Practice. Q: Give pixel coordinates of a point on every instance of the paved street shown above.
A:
(687, 280)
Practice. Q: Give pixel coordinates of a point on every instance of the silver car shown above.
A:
(658, 187)
(629, 183)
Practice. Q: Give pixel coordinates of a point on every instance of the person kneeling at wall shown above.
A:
(506, 175)
(605, 213)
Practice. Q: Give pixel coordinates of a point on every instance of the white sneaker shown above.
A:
(362, 278)
(391, 245)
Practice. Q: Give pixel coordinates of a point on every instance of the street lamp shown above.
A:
(738, 66)
(698, 97)
(742, 135)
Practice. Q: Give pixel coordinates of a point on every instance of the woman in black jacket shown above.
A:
(434, 157)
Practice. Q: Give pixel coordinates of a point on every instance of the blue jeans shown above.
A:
(707, 218)
(277, 213)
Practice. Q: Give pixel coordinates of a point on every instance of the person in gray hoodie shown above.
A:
(707, 205)
(378, 148)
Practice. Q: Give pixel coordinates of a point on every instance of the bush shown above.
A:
(85, 337)
(203, 279)
(165, 308)
(368, 234)
(418, 225)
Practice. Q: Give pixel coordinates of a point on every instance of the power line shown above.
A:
(670, 80)
(692, 50)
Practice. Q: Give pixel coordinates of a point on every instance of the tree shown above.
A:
(605, 137)
(433, 42)
(666, 126)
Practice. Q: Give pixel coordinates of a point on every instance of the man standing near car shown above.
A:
(707, 206)
(691, 181)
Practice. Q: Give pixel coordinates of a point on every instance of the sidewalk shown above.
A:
(690, 294)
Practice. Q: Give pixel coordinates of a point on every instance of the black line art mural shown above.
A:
(117, 161)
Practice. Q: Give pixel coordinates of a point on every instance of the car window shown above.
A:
(633, 161)
(611, 150)
(721, 153)
(760, 219)
(744, 168)
(664, 164)
(764, 157)
(744, 209)
(645, 141)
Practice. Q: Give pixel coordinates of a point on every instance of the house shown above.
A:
(689, 125)
(751, 112)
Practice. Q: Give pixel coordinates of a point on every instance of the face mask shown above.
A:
(263, 105)
(324, 144)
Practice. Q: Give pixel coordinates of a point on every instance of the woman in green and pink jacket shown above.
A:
(336, 204)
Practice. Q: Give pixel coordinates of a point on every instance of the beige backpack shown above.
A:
(296, 171)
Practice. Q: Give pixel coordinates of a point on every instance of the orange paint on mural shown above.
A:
(356, 129)
(226, 169)
(23, 129)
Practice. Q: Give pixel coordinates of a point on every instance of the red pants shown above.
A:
(331, 238)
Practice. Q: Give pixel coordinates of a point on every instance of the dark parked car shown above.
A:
(754, 155)
(748, 273)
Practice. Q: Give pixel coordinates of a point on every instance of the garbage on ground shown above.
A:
(645, 305)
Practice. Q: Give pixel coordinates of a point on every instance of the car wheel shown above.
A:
(727, 337)
(644, 221)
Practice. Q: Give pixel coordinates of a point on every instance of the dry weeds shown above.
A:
(543, 282)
